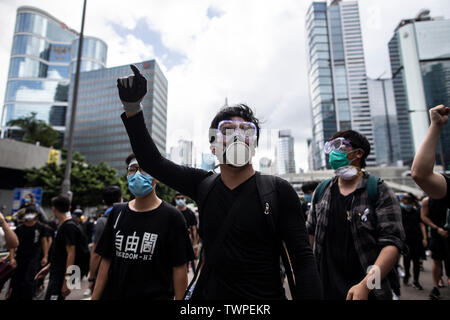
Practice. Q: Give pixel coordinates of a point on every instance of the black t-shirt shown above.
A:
(143, 248)
(30, 245)
(68, 234)
(190, 218)
(447, 197)
(340, 268)
(411, 224)
(437, 213)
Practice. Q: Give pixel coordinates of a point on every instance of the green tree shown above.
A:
(87, 181)
(37, 130)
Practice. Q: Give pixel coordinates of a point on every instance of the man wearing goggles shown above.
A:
(355, 225)
(233, 136)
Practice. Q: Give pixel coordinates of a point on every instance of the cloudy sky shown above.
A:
(250, 51)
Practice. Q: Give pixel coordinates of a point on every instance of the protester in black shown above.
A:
(308, 190)
(247, 264)
(111, 195)
(144, 247)
(433, 213)
(63, 252)
(416, 240)
(27, 258)
(191, 222)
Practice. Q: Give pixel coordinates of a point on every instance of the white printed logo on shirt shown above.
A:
(131, 250)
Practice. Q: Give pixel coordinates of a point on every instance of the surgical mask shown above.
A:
(308, 198)
(338, 159)
(27, 200)
(406, 206)
(180, 202)
(347, 172)
(140, 184)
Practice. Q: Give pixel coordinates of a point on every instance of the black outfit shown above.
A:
(440, 247)
(411, 223)
(28, 257)
(340, 268)
(68, 234)
(191, 221)
(249, 259)
(144, 247)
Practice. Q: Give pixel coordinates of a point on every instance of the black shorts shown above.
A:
(440, 248)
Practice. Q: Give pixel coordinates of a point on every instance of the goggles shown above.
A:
(133, 167)
(338, 144)
(231, 128)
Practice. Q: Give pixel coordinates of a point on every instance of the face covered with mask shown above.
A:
(140, 183)
(234, 142)
(340, 150)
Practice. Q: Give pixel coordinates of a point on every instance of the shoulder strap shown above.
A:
(205, 187)
(118, 207)
(320, 190)
(266, 185)
(372, 189)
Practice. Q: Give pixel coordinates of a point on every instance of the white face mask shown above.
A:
(347, 172)
(237, 154)
(29, 216)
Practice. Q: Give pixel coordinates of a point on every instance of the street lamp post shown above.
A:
(66, 182)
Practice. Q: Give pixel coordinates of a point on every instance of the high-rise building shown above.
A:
(182, 153)
(99, 133)
(285, 152)
(337, 75)
(420, 63)
(44, 52)
(384, 119)
(208, 161)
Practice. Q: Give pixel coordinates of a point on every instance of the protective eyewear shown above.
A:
(338, 144)
(228, 128)
(133, 168)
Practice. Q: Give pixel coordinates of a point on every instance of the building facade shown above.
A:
(337, 75)
(285, 153)
(43, 54)
(420, 64)
(384, 119)
(182, 153)
(208, 161)
(99, 133)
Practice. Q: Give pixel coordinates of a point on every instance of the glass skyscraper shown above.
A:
(99, 133)
(337, 75)
(285, 152)
(44, 52)
(420, 64)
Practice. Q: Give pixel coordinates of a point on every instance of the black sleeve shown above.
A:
(105, 246)
(180, 245)
(293, 231)
(447, 197)
(181, 178)
(193, 219)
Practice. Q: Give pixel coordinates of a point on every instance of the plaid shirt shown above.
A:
(383, 226)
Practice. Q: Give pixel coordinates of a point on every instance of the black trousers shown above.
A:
(23, 285)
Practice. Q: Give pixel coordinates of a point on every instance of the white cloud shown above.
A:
(254, 53)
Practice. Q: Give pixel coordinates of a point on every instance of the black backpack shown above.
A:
(82, 252)
(267, 194)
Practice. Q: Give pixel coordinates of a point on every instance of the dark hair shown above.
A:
(61, 203)
(357, 140)
(129, 158)
(239, 110)
(31, 209)
(31, 196)
(309, 186)
(111, 195)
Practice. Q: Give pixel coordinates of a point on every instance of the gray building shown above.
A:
(99, 133)
(384, 119)
(337, 75)
(182, 153)
(43, 54)
(420, 64)
(285, 153)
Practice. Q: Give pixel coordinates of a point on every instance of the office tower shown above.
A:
(99, 133)
(285, 153)
(182, 153)
(384, 119)
(337, 75)
(208, 161)
(420, 63)
(44, 51)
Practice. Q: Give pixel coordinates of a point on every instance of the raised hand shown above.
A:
(132, 90)
(439, 115)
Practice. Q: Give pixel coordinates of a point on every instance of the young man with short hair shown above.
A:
(144, 247)
(63, 252)
(350, 230)
(245, 264)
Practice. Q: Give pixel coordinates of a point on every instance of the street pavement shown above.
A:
(407, 292)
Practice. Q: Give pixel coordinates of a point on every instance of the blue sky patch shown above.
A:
(214, 12)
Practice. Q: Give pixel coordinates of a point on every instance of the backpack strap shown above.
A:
(266, 185)
(118, 207)
(205, 187)
(320, 190)
(372, 189)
